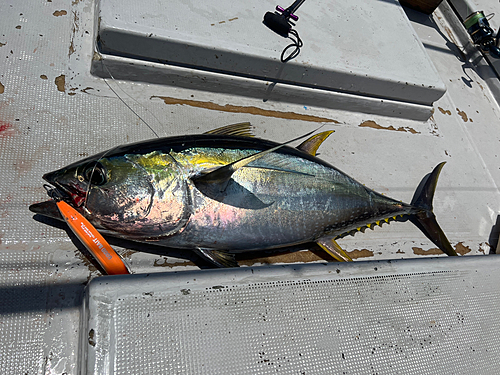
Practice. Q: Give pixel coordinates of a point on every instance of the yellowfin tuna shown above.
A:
(225, 192)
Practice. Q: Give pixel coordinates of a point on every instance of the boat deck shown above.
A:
(56, 108)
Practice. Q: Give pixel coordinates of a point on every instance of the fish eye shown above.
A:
(95, 174)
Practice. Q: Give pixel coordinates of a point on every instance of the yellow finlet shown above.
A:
(312, 144)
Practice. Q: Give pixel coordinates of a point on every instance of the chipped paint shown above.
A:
(463, 115)
(2, 88)
(461, 249)
(59, 13)
(363, 253)
(444, 111)
(243, 109)
(60, 82)
(432, 251)
(2, 44)
(43, 76)
(372, 124)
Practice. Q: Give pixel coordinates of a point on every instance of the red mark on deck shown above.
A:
(5, 128)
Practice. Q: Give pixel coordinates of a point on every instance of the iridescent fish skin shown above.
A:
(163, 191)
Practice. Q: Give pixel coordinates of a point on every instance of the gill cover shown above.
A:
(142, 196)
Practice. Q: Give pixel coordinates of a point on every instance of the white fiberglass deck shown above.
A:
(417, 316)
(53, 111)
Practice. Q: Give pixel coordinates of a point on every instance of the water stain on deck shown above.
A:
(243, 109)
(372, 124)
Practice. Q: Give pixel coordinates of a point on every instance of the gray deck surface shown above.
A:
(53, 111)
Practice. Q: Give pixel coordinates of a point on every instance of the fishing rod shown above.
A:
(482, 34)
(280, 23)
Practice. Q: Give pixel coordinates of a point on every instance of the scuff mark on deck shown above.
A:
(74, 29)
(244, 109)
(166, 263)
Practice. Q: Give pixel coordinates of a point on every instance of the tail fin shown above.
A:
(424, 218)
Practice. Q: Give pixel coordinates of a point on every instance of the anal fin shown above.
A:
(333, 248)
(220, 258)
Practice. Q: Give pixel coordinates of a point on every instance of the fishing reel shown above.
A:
(280, 23)
(480, 31)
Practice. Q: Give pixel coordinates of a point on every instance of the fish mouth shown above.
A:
(68, 192)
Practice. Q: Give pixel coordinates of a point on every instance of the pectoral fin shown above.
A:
(221, 176)
(332, 248)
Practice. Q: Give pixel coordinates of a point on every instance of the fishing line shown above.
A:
(297, 43)
(89, 185)
(123, 101)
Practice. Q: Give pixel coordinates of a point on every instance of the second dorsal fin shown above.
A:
(312, 144)
(241, 129)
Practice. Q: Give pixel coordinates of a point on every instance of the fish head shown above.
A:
(109, 189)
